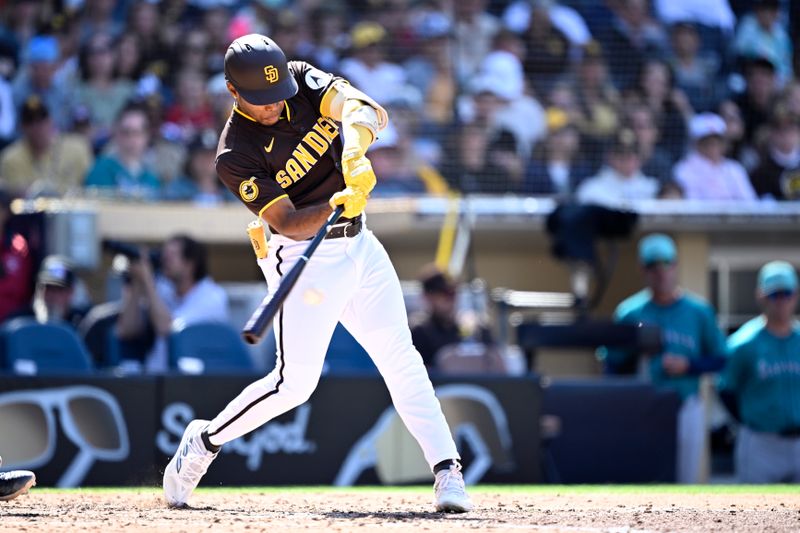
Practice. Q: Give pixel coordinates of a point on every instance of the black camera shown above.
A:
(131, 251)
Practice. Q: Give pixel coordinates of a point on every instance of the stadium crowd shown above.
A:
(597, 101)
(614, 99)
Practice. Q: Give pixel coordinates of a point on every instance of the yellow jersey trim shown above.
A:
(327, 99)
(286, 107)
(261, 211)
(245, 115)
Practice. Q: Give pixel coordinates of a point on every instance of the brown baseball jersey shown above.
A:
(298, 157)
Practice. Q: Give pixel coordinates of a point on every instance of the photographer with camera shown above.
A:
(181, 294)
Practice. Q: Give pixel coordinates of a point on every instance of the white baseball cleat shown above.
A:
(187, 466)
(15, 483)
(451, 495)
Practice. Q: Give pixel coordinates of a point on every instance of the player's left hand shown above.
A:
(354, 202)
(357, 170)
(675, 365)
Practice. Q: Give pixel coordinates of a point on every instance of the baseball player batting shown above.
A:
(292, 151)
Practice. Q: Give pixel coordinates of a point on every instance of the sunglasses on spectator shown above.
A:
(654, 264)
(780, 295)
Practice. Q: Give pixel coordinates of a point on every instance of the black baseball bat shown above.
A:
(262, 317)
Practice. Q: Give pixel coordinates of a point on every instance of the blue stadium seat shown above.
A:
(346, 356)
(32, 348)
(208, 347)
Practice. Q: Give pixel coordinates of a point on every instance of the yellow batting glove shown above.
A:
(354, 202)
(357, 170)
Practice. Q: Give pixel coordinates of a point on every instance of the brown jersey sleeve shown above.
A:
(249, 181)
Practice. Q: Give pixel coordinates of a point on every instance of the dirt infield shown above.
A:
(402, 510)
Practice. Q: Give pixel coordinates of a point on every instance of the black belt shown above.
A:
(790, 432)
(350, 228)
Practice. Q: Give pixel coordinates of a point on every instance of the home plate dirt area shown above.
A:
(406, 509)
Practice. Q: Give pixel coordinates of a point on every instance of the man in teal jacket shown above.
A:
(764, 374)
(691, 341)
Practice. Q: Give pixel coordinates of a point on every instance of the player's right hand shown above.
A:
(354, 201)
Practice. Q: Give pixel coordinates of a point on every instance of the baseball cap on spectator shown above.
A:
(657, 248)
(504, 71)
(777, 276)
(750, 63)
(366, 34)
(766, 4)
(57, 271)
(557, 120)
(706, 125)
(33, 110)
(624, 143)
(42, 49)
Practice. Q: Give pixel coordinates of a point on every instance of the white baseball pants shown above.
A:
(352, 281)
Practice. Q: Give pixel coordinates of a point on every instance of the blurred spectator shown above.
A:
(122, 172)
(8, 116)
(16, 264)
(655, 161)
(761, 91)
(557, 165)
(621, 179)
(129, 64)
(431, 70)
(193, 52)
(697, 72)
(762, 373)
(597, 99)
(633, 37)
(705, 173)
(762, 34)
(394, 163)
(692, 344)
(191, 110)
(44, 162)
(97, 17)
(199, 183)
(734, 132)
(547, 49)
(328, 32)
(670, 106)
(778, 174)
(21, 20)
(489, 149)
(475, 29)
(185, 295)
(446, 341)
(143, 21)
(100, 90)
(38, 78)
(220, 100)
(521, 115)
(366, 67)
(56, 295)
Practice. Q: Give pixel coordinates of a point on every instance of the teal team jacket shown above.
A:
(764, 373)
(688, 327)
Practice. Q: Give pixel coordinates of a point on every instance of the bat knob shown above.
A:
(250, 338)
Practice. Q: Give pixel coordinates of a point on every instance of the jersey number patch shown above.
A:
(248, 189)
